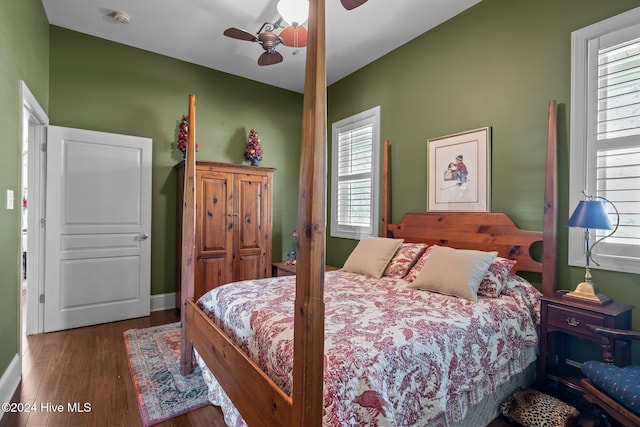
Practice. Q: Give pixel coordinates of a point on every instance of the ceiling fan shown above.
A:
(265, 37)
(294, 35)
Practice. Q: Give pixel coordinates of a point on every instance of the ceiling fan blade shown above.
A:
(352, 4)
(270, 58)
(237, 33)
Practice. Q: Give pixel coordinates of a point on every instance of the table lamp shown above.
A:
(590, 214)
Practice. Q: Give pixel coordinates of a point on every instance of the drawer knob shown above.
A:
(572, 321)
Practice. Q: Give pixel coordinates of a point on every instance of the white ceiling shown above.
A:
(191, 30)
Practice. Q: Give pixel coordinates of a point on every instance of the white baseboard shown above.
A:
(163, 301)
(10, 380)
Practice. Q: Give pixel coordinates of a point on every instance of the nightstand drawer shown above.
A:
(573, 320)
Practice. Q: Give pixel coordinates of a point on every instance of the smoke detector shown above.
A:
(121, 17)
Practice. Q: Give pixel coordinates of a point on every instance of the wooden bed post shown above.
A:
(550, 218)
(187, 278)
(386, 190)
(309, 304)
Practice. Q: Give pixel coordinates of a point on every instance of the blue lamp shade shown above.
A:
(590, 214)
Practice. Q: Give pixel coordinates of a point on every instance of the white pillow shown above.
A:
(371, 256)
(456, 272)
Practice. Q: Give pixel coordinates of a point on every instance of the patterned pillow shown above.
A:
(532, 408)
(492, 283)
(417, 267)
(404, 259)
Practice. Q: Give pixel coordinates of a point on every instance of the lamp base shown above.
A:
(585, 292)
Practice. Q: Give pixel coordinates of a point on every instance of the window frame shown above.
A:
(369, 117)
(585, 44)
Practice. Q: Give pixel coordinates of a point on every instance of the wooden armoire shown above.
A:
(233, 223)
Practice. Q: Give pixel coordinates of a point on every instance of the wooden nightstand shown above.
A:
(562, 316)
(279, 269)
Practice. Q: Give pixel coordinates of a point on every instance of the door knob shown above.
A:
(144, 236)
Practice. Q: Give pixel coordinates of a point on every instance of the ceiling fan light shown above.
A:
(295, 12)
(294, 36)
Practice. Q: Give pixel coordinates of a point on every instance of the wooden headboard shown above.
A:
(487, 231)
(480, 231)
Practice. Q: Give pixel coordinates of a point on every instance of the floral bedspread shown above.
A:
(393, 355)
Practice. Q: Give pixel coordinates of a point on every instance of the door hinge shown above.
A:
(41, 298)
(43, 222)
(43, 147)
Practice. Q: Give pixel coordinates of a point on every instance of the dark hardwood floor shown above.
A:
(89, 365)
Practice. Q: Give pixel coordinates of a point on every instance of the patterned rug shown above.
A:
(154, 359)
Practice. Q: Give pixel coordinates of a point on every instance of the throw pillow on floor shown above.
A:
(532, 408)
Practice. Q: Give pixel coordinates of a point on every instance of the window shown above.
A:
(354, 175)
(605, 136)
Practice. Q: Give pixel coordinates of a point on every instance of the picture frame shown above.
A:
(459, 172)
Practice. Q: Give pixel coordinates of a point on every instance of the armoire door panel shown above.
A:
(215, 212)
(251, 211)
(216, 272)
(249, 266)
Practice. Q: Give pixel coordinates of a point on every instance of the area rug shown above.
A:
(154, 359)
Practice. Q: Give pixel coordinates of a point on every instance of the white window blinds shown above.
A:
(618, 137)
(355, 176)
(355, 156)
(605, 135)
(619, 91)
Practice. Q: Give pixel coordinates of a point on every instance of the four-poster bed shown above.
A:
(257, 397)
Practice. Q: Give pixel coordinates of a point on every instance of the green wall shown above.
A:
(106, 86)
(497, 64)
(24, 55)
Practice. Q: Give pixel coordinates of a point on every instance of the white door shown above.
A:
(98, 220)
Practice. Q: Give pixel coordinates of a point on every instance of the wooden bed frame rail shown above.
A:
(252, 392)
(258, 399)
